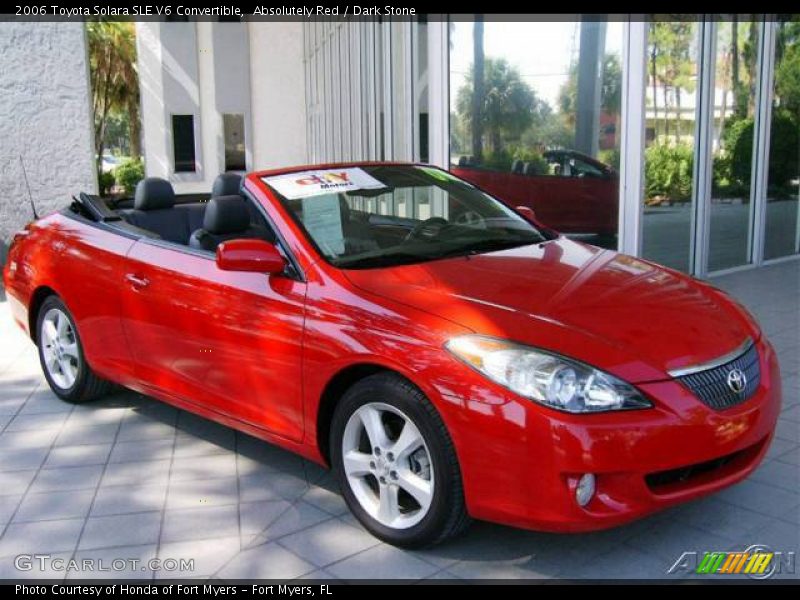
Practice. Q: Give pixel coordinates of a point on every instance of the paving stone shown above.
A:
(78, 456)
(382, 562)
(134, 560)
(201, 523)
(268, 561)
(55, 505)
(124, 499)
(42, 537)
(135, 529)
(328, 542)
(67, 478)
(209, 556)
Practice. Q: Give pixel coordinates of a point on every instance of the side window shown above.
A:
(183, 151)
(233, 134)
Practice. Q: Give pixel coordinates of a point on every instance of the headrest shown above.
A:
(153, 193)
(226, 184)
(226, 214)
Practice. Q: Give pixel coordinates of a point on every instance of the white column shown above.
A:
(278, 94)
(704, 133)
(438, 86)
(763, 122)
(631, 180)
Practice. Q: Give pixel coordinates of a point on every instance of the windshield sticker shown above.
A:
(322, 217)
(306, 184)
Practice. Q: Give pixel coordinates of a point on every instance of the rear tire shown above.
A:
(61, 355)
(396, 464)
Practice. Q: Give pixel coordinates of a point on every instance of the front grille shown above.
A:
(711, 386)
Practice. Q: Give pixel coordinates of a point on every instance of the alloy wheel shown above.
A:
(60, 348)
(388, 465)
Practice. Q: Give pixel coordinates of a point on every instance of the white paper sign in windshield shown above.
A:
(322, 218)
(306, 184)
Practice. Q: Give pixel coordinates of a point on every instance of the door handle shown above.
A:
(137, 282)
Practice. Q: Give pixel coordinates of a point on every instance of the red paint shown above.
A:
(256, 352)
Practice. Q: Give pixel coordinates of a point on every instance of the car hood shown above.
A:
(621, 314)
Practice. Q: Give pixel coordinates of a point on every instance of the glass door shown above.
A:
(782, 235)
(731, 209)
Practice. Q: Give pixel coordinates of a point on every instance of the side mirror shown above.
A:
(256, 256)
(528, 213)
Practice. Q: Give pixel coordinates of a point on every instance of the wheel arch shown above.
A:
(40, 294)
(336, 387)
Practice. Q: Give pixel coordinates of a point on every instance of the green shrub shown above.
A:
(129, 173)
(668, 172)
(499, 160)
(783, 151)
(538, 162)
(106, 181)
(609, 157)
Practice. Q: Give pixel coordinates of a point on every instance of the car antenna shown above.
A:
(28, 185)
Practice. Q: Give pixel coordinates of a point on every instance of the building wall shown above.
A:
(209, 69)
(278, 87)
(366, 88)
(45, 118)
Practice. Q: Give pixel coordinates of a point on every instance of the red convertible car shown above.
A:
(444, 354)
(579, 195)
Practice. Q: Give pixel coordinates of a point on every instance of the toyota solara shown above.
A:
(447, 356)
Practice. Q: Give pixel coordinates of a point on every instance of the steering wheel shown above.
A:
(470, 218)
(427, 229)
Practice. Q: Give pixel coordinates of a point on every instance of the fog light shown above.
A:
(585, 489)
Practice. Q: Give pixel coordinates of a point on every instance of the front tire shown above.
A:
(396, 463)
(61, 355)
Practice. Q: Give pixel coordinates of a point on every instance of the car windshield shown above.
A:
(376, 216)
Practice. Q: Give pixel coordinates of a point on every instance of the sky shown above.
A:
(542, 51)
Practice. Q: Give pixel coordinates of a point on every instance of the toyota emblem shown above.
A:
(737, 380)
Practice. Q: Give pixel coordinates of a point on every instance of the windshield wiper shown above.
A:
(490, 245)
(382, 260)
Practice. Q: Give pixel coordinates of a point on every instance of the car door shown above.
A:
(227, 341)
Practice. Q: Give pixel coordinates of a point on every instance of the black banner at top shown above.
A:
(290, 10)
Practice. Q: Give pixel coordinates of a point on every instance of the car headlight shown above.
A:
(545, 377)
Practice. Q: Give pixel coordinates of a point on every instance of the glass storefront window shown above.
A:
(670, 117)
(737, 73)
(535, 111)
(782, 236)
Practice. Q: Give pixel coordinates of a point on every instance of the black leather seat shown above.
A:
(227, 218)
(230, 184)
(226, 184)
(153, 210)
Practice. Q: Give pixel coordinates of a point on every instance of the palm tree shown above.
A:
(114, 79)
(508, 107)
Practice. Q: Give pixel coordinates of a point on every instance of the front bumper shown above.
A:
(521, 462)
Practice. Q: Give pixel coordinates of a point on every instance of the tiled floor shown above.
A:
(131, 478)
